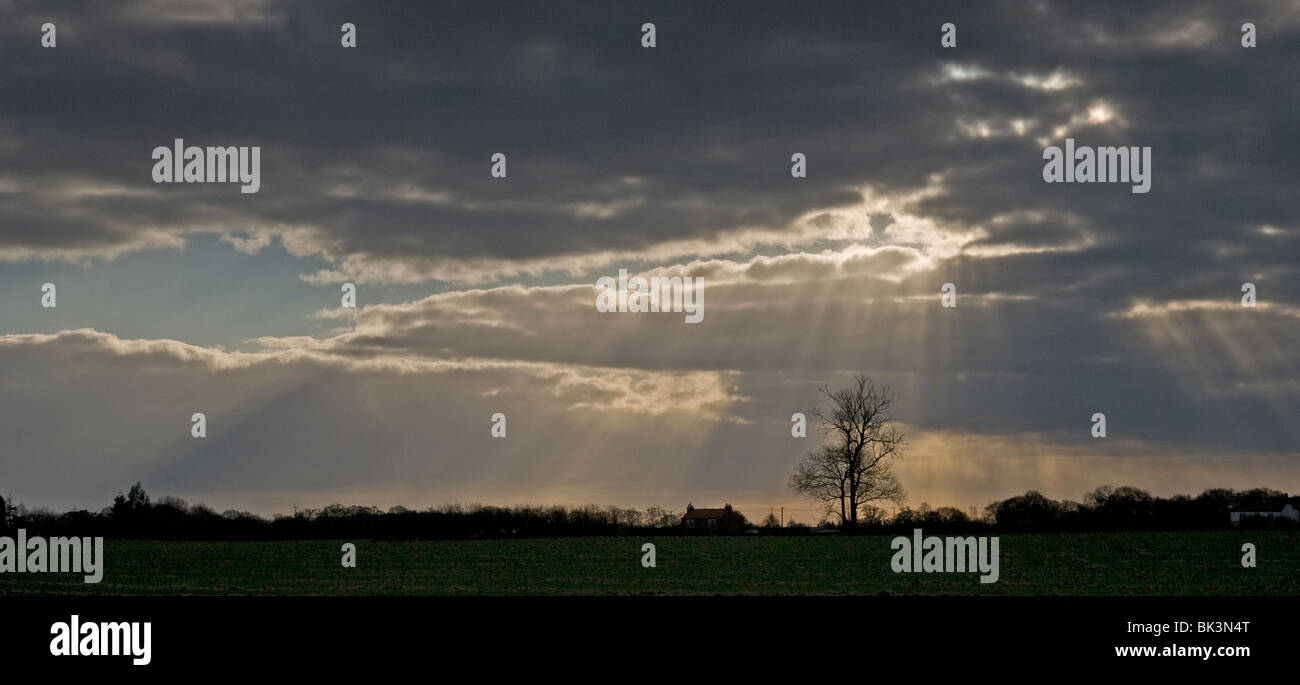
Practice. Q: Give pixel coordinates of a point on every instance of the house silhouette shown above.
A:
(724, 520)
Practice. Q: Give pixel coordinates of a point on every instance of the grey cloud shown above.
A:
(706, 122)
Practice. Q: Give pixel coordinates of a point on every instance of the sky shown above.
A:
(476, 294)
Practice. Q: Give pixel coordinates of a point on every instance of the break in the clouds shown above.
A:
(924, 167)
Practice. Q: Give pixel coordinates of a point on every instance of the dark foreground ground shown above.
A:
(1199, 563)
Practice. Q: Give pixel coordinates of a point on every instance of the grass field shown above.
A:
(1201, 563)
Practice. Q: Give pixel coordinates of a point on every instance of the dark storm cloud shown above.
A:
(383, 150)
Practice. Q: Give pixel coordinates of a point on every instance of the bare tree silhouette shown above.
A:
(852, 468)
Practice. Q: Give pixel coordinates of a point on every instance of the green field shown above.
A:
(1201, 563)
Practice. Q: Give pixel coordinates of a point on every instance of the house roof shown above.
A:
(705, 514)
(1261, 506)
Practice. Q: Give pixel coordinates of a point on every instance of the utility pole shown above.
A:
(783, 517)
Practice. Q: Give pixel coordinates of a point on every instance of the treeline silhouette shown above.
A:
(1103, 509)
(134, 515)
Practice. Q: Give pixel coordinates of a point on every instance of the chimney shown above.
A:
(690, 508)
